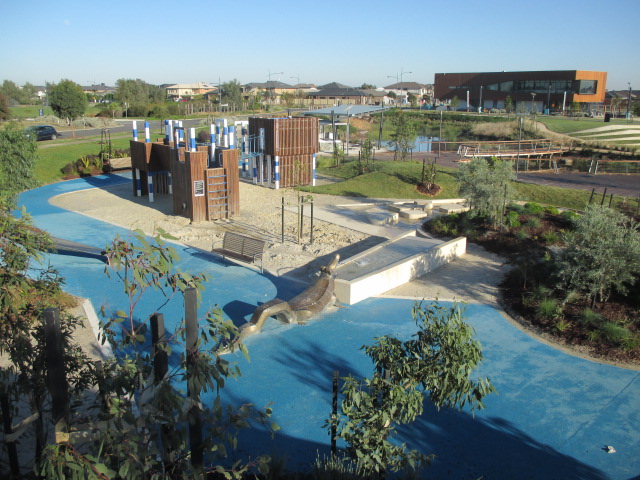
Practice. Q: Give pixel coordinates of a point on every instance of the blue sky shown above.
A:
(320, 42)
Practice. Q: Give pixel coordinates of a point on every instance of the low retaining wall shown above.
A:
(398, 273)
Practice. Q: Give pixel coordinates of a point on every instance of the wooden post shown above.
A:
(56, 374)
(334, 414)
(610, 200)
(7, 422)
(160, 369)
(311, 227)
(604, 194)
(282, 241)
(159, 340)
(195, 420)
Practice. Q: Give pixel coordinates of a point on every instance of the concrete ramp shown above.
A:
(391, 264)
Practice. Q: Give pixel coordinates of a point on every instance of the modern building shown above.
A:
(553, 90)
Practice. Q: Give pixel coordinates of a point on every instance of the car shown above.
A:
(42, 132)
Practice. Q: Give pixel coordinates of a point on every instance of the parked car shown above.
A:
(42, 132)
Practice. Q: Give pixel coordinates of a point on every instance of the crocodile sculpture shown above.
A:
(300, 308)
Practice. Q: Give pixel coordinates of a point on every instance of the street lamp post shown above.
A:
(269, 75)
(402, 73)
(397, 81)
(629, 102)
(549, 98)
(533, 102)
(480, 105)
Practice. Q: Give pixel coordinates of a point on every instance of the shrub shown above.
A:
(159, 111)
(533, 222)
(516, 207)
(203, 136)
(569, 215)
(550, 237)
(137, 111)
(591, 318)
(522, 235)
(614, 333)
(562, 325)
(534, 208)
(513, 219)
(552, 210)
(548, 308)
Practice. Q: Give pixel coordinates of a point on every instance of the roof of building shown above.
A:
(374, 92)
(346, 110)
(338, 92)
(268, 85)
(193, 85)
(334, 85)
(406, 86)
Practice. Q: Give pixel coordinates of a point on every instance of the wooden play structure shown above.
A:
(199, 192)
(204, 180)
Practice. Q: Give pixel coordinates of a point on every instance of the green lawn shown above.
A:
(52, 158)
(569, 125)
(398, 180)
(32, 111)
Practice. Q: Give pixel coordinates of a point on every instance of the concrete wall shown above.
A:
(391, 276)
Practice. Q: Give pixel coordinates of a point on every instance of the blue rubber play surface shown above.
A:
(551, 419)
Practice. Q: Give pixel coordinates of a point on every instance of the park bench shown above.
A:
(240, 247)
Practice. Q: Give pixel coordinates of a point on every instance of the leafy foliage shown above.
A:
(5, 113)
(602, 254)
(27, 287)
(403, 137)
(142, 428)
(437, 362)
(68, 100)
(487, 187)
(18, 156)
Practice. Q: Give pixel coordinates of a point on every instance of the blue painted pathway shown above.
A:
(553, 415)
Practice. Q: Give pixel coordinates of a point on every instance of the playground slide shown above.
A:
(66, 247)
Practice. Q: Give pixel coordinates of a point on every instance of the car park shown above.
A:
(42, 132)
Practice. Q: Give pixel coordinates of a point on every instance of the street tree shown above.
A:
(68, 101)
(508, 105)
(5, 113)
(367, 86)
(413, 99)
(130, 93)
(437, 362)
(602, 254)
(18, 157)
(486, 185)
(455, 101)
(232, 93)
(403, 137)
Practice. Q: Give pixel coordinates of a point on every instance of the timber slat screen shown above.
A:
(296, 170)
(287, 136)
(293, 141)
(216, 194)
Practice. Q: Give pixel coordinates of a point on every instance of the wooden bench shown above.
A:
(245, 249)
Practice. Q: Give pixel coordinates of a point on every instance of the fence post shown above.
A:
(195, 420)
(56, 374)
